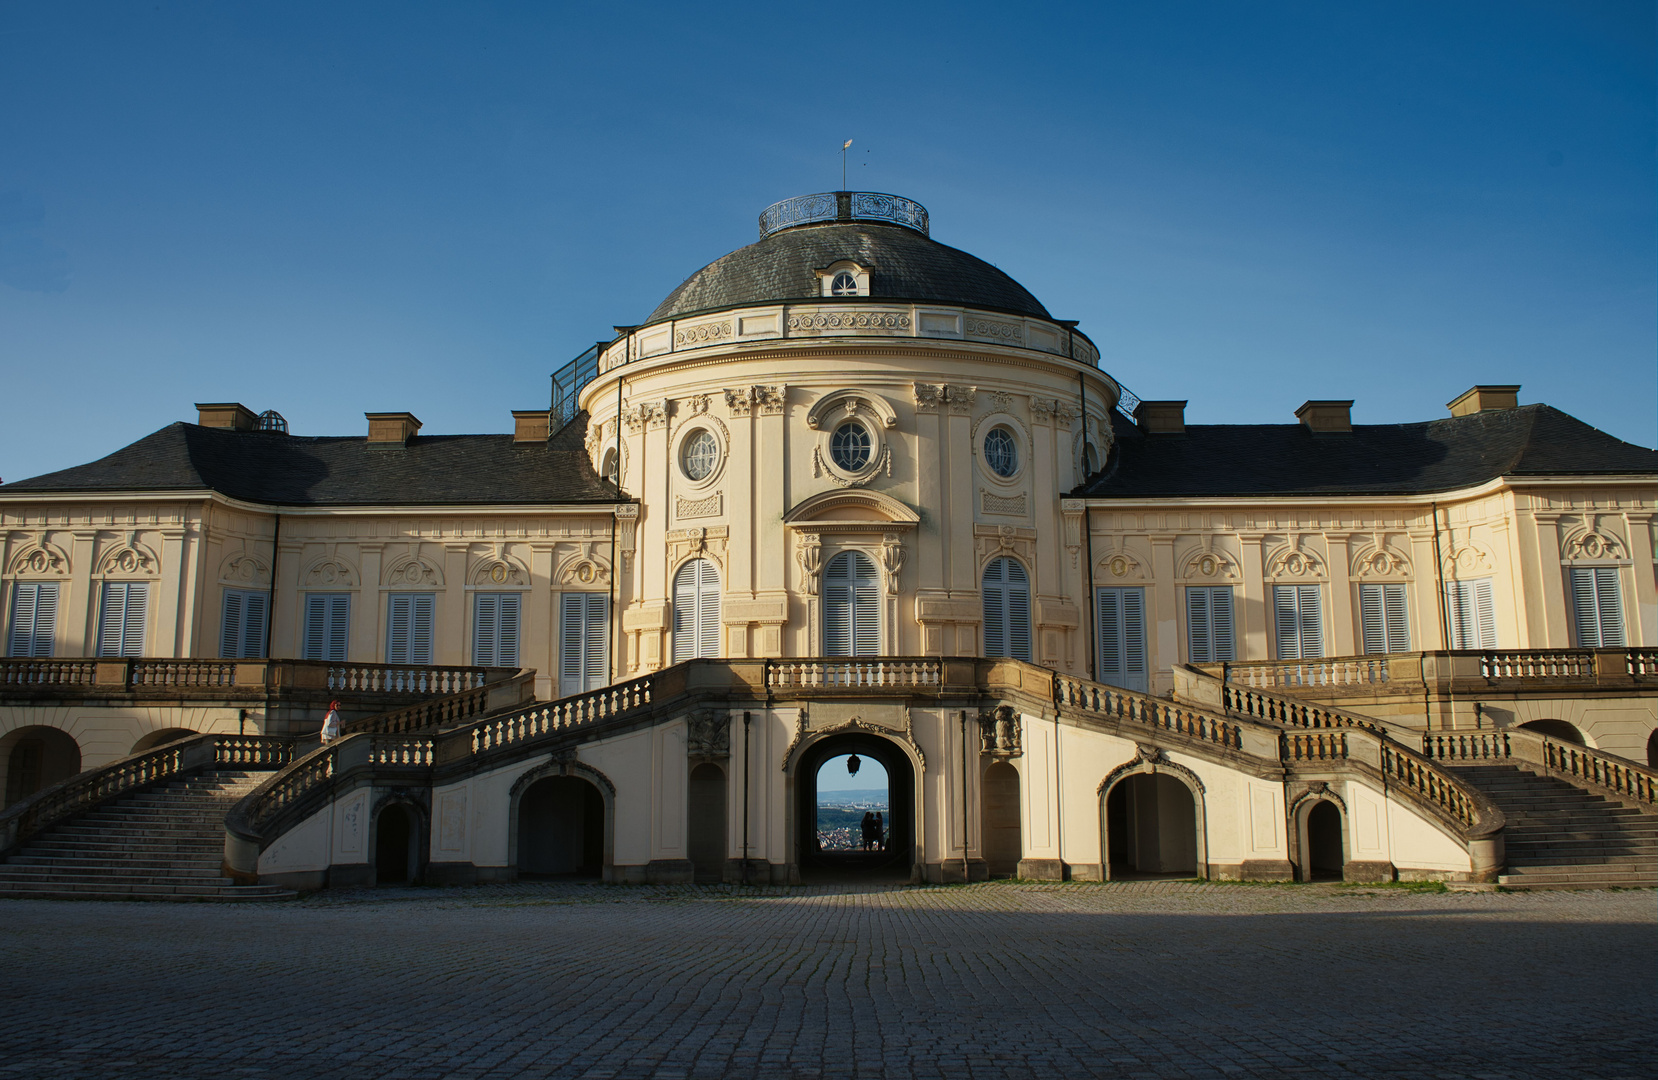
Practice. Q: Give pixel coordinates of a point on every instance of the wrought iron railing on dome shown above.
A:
(843, 206)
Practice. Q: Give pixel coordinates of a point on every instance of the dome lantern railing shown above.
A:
(843, 206)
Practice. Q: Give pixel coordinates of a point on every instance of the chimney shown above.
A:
(530, 426)
(1486, 399)
(1161, 417)
(226, 414)
(1327, 417)
(391, 428)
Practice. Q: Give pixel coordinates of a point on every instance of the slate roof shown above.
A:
(904, 265)
(1376, 459)
(295, 470)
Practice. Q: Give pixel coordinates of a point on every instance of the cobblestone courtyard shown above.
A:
(1151, 979)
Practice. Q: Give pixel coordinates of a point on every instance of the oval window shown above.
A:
(849, 446)
(1001, 453)
(700, 455)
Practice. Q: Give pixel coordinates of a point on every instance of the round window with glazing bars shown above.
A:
(849, 446)
(701, 454)
(844, 285)
(1001, 453)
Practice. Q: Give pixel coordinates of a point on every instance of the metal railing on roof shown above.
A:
(567, 383)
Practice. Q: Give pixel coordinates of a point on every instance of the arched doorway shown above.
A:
(1325, 852)
(1150, 828)
(161, 738)
(1003, 841)
(822, 862)
(396, 850)
(561, 829)
(1560, 730)
(37, 757)
(1652, 749)
(706, 824)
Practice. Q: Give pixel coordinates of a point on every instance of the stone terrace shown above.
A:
(1155, 979)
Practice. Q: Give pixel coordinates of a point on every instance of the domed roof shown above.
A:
(903, 264)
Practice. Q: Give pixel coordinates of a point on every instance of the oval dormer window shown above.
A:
(844, 284)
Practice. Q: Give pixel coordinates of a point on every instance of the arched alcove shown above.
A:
(397, 836)
(36, 757)
(561, 829)
(706, 823)
(1003, 839)
(1559, 730)
(1152, 827)
(1325, 848)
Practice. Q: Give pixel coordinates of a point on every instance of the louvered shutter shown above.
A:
(254, 623)
(837, 609)
(995, 611)
(708, 610)
(584, 642)
(1122, 624)
(851, 606)
(397, 629)
(230, 624)
(1396, 617)
(866, 609)
(1371, 622)
(242, 629)
(506, 641)
(1473, 616)
(1383, 618)
(409, 629)
(327, 622)
(1018, 611)
(696, 611)
(1598, 605)
(121, 618)
(1312, 621)
(1220, 624)
(1209, 624)
(485, 616)
(1299, 621)
(34, 619)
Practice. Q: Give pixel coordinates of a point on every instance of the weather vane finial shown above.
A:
(845, 146)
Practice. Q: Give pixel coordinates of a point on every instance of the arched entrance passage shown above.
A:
(561, 829)
(1559, 730)
(396, 845)
(897, 862)
(1152, 828)
(1652, 749)
(37, 757)
(1004, 843)
(1325, 852)
(707, 823)
(161, 738)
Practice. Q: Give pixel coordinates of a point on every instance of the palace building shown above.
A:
(846, 489)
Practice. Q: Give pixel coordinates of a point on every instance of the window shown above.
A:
(495, 624)
(700, 455)
(1001, 453)
(696, 610)
(1122, 622)
(409, 628)
(1209, 624)
(121, 618)
(1383, 618)
(327, 619)
(1473, 620)
(1090, 459)
(850, 445)
(242, 628)
(1006, 610)
(583, 642)
(34, 619)
(851, 606)
(1598, 606)
(844, 284)
(1298, 618)
(610, 470)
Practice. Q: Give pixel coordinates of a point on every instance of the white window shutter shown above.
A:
(34, 619)
(230, 625)
(1018, 611)
(421, 626)
(121, 621)
(572, 620)
(696, 617)
(1286, 622)
(1220, 627)
(1371, 620)
(708, 610)
(1122, 621)
(1134, 639)
(410, 624)
(1108, 603)
(596, 666)
(327, 623)
(837, 609)
(1598, 606)
(1312, 621)
(485, 633)
(397, 629)
(995, 607)
(506, 642)
(1472, 614)
(1396, 617)
(339, 626)
(851, 606)
(254, 623)
(1199, 645)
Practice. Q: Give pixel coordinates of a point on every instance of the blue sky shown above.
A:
(832, 776)
(329, 209)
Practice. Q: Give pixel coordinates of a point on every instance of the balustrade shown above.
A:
(1336, 671)
(1419, 775)
(32, 673)
(1289, 711)
(1641, 663)
(382, 678)
(1121, 704)
(853, 674)
(1315, 746)
(1538, 664)
(562, 715)
(405, 752)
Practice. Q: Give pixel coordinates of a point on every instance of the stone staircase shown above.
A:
(1559, 836)
(166, 843)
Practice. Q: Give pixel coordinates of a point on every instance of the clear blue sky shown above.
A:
(333, 208)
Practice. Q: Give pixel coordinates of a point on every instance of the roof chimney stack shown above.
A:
(1486, 399)
(391, 428)
(226, 414)
(1326, 417)
(1161, 417)
(531, 426)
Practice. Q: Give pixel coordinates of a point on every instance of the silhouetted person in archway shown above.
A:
(880, 832)
(868, 830)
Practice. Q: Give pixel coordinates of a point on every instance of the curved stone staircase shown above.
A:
(1560, 836)
(163, 843)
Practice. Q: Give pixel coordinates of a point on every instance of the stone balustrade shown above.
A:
(1582, 765)
(1464, 671)
(886, 673)
(218, 678)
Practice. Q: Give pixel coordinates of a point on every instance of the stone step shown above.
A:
(78, 862)
(180, 878)
(218, 893)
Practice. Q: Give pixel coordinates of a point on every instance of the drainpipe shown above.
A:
(1093, 616)
(615, 570)
(747, 772)
(1444, 615)
(965, 878)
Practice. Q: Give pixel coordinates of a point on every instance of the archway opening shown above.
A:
(1151, 828)
(1324, 848)
(1556, 729)
(1652, 749)
(37, 757)
(707, 823)
(394, 846)
(561, 829)
(1003, 841)
(161, 738)
(834, 803)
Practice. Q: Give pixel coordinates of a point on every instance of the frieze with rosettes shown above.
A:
(848, 320)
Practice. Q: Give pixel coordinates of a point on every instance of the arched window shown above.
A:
(696, 611)
(1006, 610)
(851, 606)
(844, 285)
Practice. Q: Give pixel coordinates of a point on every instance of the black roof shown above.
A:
(294, 470)
(1376, 459)
(903, 265)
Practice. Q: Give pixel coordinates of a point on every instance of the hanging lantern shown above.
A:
(852, 764)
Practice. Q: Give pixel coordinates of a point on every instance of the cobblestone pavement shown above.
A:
(1156, 979)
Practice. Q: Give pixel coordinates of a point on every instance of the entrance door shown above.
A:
(1003, 843)
(707, 823)
(393, 846)
(1151, 827)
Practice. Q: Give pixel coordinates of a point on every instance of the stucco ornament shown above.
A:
(129, 558)
(1000, 734)
(38, 558)
(1591, 543)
